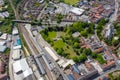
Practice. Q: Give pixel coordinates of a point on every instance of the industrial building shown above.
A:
(77, 11)
(21, 70)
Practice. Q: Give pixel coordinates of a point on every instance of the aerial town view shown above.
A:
(59, 39)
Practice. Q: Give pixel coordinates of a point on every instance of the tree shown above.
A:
(82, 57)
(87, 51)
(94, 55)
(76, 59)
(84, 33)
(60, 51)
(76, 45)
(59, 18)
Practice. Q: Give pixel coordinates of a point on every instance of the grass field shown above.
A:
(71, 2)
(70, 51)
(52, 35)
(59, 44)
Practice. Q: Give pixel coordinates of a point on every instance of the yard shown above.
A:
(71, 2)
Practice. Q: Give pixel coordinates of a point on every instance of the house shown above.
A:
(4, 36)
(109, 64)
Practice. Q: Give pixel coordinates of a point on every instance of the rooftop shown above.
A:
(77, 11)
(3, 48)
(21, 69)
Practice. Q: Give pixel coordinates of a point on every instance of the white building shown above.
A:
(2, 42)
(55, 57)
(17, 47)
(64, 64)
(15, 31)
(22, 70)
(4, 36)
(109, 31)
(16, 54)
(77, 11)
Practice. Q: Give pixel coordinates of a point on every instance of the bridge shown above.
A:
(21, 21)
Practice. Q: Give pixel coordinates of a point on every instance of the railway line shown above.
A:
(35, 51)
(29, 41)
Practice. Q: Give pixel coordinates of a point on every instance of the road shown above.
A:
(114, 16)
(10, 63)
(10, 57)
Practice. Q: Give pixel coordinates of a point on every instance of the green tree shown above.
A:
(84, 33)
(76, 45)
(76, 59)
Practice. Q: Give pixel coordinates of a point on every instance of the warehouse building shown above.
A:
(22, 71)
(77, 11)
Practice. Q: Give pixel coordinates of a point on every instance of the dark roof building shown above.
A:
(70, 77)
(75, 68)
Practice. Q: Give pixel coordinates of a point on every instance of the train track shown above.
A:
(30, 42)
(34, 50)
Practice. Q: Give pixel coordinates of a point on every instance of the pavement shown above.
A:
(10, 64)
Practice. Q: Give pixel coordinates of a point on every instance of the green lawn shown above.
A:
(59, 44)
(70, 51)
(71, 2)
(52, 35)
